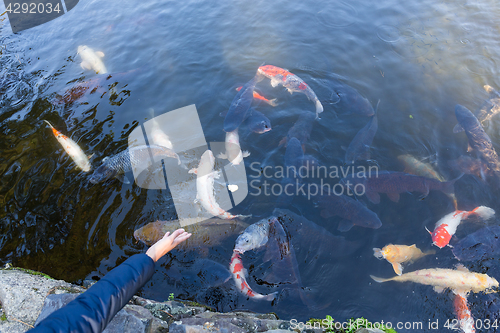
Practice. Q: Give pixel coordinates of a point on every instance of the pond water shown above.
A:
(419, 59)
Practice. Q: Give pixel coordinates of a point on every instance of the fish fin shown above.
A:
(290, 91)
(105, 159)
(438, 289)
(100, 54)
(122, 178)
(461, 268)
(428, 230)
(222, 156)
(345, 225)
(274, 82)
(379, 280)
(273, 102)
(413, 246)
(90, 156)
(423, 196)
(393, 196)
(458, 128)
(85, 65)
(242, 217)
(378, 253)
(193, 170)
(469, 148)
(398, 269)
(374, 197)
(245, 153)
(319, 107)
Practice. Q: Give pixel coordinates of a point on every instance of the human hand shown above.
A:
(167, 243)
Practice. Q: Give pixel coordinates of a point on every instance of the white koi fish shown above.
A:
(447, 226)
(205, 186)
(72, 148)
(459, 280)
(92, 59)
(233, 150)
(239, 276)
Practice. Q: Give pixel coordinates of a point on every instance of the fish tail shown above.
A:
(269, 297)
(48, 123)
(483, 212)
(449, 186)
(426, 253)
(380, 280)
(377, 253)
(272, 102)
(242, 217)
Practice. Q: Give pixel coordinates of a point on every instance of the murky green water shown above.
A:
(419, 59)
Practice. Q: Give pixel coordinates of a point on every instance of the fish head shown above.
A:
(82, 48)
(101, 174)
(254, 237)
(389, 252)
(440, 236)
(262, 126)
(150, 233)
(269, 70)
(465, 117)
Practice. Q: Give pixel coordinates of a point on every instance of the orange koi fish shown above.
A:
(71, 147)
(463, 313)
(239, 276)
(291, 82)
(447, 226)
(256, 95)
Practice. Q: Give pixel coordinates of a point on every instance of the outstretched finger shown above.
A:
(177, 232)
(181, 238)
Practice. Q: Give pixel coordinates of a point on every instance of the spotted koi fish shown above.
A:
(256, 95)
(239, 276)
(464, 316)
(71, 147)
(291, 82)
(447, 226)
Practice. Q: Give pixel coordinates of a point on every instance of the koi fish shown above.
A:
(240, 105)
(233, 151)
(399, 254)
(459, 280)
(300, 130)
(394, 183)
(447, 226)
(349, 100)
(462, 311)
(291, 82)
(72, 149)
(122, 162)
(257, 122)
(256, 95)
(91, 59)
(239, 276)
(471, 166)
(205, 176)
(487, 110)
(478, 139)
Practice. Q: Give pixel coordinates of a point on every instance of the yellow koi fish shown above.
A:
(399, 254)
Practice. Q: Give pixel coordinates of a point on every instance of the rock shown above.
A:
(22, 295)
(130, 319)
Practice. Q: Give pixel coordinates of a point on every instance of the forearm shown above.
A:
(94, 309)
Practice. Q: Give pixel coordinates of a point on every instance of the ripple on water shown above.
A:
(388, 33)
(479, 64)
(411, 45)
(337, 15)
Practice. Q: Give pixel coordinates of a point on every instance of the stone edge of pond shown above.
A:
(26, 295)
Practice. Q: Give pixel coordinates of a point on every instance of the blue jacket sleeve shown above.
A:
(94, 309)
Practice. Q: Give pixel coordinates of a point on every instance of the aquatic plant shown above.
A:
(351, 326)
(171, 297)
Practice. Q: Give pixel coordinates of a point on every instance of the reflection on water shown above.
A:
(419, 58)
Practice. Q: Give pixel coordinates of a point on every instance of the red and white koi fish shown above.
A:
(205, 186)
(447, 226)
(462, 311)
(239, 276)
(256, 95)
(72, 148)
(233, 150)
(291, 82)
